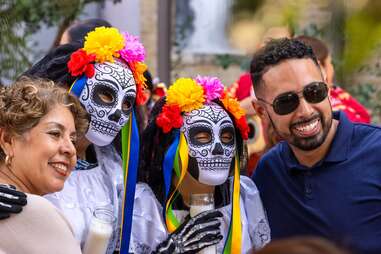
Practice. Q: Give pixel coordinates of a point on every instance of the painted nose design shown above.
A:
(115, 116)
(218, 150)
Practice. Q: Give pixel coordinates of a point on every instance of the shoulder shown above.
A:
(366, 135)
(274, 154)
(145, 199)
(144, 191)
(39, 221)
(37, 205)
(248, 186)
(271, 160)
(40, 209)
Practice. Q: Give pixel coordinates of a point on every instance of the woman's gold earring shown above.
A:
(8, 160)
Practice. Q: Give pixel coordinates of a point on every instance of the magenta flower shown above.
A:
(133, 50)
(213, 88)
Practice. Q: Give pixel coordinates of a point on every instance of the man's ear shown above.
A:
(259, 109)
(6, 141)
(323, 72)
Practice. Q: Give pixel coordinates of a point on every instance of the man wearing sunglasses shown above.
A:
(324, 178)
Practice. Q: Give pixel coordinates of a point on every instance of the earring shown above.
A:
(8, 160)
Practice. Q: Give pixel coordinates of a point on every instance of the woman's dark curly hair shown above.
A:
(155, 144)
(276, 51)
(24, 103)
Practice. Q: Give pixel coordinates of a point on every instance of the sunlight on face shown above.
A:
(45, 155)
(308, 125)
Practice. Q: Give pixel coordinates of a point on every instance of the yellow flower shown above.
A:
(104, 42)
(187, 94)
(232, 105)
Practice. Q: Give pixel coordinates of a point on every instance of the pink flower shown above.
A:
(213, 88)
(133, 49)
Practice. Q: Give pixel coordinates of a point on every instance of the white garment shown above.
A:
(39, 229)
(84, 190)
(149, 230)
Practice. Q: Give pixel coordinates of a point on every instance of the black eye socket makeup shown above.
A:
(104, 95)
(200, 135)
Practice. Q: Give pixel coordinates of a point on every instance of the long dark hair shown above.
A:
(154, 146)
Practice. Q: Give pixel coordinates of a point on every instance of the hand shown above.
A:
(11, 200)
(194, 234)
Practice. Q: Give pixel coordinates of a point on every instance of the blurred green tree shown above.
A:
(19, 19)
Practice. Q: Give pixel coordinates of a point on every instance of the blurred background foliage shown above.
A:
(351, 28)
(19, 19)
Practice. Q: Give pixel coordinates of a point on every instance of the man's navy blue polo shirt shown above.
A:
(339, 198)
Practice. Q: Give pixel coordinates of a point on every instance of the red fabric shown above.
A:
(342, 100)
(241, 89)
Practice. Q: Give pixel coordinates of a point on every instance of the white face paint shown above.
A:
(108, 97)
(209, 132)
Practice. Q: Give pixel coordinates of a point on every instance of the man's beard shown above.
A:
(308, 143)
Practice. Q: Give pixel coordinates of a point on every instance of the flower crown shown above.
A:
(187, 94)
(102, 45)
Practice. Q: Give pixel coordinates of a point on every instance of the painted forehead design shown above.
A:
(117, 74)
(210, 112)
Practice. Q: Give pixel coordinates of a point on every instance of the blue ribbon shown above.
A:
(78, 86)
(169, 159)
(130, 186)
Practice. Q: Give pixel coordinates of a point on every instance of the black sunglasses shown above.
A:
(286, 103)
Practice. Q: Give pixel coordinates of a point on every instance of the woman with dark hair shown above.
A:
(107, 77)
(77, 31)
(193, 142)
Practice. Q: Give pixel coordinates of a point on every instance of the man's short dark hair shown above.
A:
(274, 52)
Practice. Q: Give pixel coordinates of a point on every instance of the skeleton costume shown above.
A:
(100, 184)
(210, 161)
(109, 96)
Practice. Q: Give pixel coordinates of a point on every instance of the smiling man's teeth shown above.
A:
(307, 127)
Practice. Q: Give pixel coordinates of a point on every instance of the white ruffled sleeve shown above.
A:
(148, 227)
(258, 225)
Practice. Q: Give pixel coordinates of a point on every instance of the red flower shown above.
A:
(170, 117)
(243, 127)
(141, 96)
(80, 62)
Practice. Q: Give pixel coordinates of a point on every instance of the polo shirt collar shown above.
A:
(339, 148)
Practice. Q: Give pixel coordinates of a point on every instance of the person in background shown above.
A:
(77, 31)
(323, 179)
(39, 126)
(340, 99)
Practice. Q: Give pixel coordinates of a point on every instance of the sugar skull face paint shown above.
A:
(108, 97)
(209, 132)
